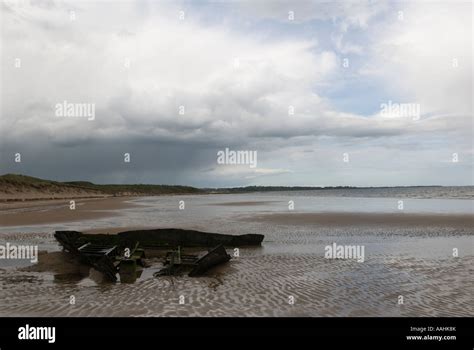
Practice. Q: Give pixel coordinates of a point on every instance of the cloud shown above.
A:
(427, 55)
(189, 87)
(231, 87)
(190, 66)
(234, 173)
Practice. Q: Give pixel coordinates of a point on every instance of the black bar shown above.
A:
(120, 331)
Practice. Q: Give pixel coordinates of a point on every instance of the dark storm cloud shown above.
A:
(139, 65)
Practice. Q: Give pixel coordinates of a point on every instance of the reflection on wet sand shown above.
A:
(258, 283)
(401, 259)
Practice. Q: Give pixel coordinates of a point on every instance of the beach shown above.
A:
(369, 219)
(188, 168)
(57, 211)
(407, 254)
(34, 212)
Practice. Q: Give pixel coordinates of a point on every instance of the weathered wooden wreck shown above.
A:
(124, 252)
(176, 263)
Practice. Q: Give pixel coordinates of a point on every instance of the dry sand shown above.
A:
(54, 211)
(12, 193)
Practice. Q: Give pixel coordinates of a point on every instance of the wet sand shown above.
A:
(55, 262)
(252, 286)
(56, 211)
(377, 219)
(245, 204)
(406, 254)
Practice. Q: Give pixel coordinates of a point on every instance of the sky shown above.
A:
(305, 85)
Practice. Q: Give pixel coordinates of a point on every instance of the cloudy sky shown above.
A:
(301, 83)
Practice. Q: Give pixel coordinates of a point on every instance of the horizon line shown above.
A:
(241, 187)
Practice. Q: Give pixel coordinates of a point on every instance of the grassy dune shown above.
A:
(14, 187)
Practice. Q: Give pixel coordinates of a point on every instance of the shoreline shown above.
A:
(362, 219)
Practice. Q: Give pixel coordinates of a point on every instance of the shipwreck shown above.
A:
(124, 253)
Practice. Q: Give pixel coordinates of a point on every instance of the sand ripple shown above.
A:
(260, 285)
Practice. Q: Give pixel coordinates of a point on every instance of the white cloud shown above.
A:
(415, 56)
(172, 63)
(177, 63)
(236, 87)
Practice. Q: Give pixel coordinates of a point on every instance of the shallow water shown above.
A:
(208, 211)
(414, 262)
